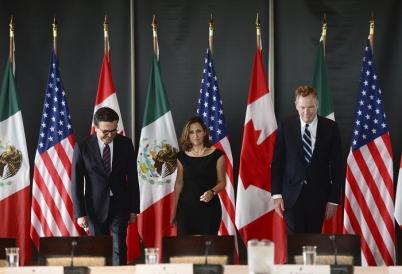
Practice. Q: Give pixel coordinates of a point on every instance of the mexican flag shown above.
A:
(156, 164)
(319, 80)
(14, 169)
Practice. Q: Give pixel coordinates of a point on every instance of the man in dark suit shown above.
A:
(306, 167)
(105, 186)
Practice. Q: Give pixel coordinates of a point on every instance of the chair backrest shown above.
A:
(6, 242)
(348, 248)
(89, 251)
(191, 249)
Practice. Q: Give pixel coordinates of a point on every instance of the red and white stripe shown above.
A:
(227, 196)
(369, 201)
(52, 207)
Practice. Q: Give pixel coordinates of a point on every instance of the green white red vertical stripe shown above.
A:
(319, 80)
(158, 136)
(15, 189)
(255, 215)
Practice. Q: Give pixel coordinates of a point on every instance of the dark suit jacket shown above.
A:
(289, 168)
(88, 172)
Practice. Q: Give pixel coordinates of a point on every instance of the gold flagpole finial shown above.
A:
(324, 25)
(12, 42)
(105, 27)
(54, 24)
(106, 36)
(258, 29)
(154, 24)
(372, 23)
(372, 32)
(211, 32)
(324, 31)
(155, 36)
(11, 26)
(211, 23)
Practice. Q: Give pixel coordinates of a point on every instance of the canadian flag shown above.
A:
(106, 97)
(255, 215)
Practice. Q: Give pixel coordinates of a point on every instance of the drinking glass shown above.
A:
(151, 255)
(13, 256)
(309, 254)
(260, 256)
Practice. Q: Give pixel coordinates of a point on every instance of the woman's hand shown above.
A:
(207, 196)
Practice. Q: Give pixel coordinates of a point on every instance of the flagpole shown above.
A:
(106, 37)
(372, 32)
(211, 32)
(324, 32)
(12, 42)
(258, 29)
(55, 35)
(155, 37)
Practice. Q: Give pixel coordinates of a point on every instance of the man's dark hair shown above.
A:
(105, 114)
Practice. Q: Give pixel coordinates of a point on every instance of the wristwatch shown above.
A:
(213, 192)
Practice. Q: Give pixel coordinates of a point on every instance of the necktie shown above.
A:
(307, 149)
(106, 159)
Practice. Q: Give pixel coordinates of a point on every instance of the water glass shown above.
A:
(151, 255)
(260, 256)
(13, 256)
(309, 254)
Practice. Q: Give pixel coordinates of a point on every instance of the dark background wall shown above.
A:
(183, 39)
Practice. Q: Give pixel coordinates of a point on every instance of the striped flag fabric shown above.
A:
(156, 163)
(15, 191)
(210, 109)
(369, 188)
(319, 81)
(398, 197)
(52, 207)
(255, 215)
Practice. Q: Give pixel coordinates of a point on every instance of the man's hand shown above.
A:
(133, 218)
(330, 211)
(279, 206)
(83, 222)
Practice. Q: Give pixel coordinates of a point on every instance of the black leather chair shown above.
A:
(399, 249)
(191, 249)
(348, 247)
(89, 251)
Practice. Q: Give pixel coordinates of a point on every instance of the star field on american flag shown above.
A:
(370, 118)
(56, 120)
(210, 107)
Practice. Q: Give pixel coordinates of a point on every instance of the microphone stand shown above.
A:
(339, 269)
(75, 269)
(207, 268)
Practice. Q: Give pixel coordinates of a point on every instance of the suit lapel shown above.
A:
(94, 147)
(298, 141)
(319, 132)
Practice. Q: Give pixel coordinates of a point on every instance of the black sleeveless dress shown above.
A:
(193, 216)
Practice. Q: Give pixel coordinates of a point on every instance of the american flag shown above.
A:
(210, 109)
(52, 207)
(369, 190)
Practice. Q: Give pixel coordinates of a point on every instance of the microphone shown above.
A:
(207, 243)
(339, 269)
(75, 269)
(207, 268)
(74, 244)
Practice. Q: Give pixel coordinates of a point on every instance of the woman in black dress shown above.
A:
(200, 177)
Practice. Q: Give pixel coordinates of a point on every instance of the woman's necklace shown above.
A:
(199, 153)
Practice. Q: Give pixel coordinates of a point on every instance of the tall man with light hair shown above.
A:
(307, 166)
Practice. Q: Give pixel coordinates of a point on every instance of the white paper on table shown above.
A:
(301, 269)
(164, 268)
